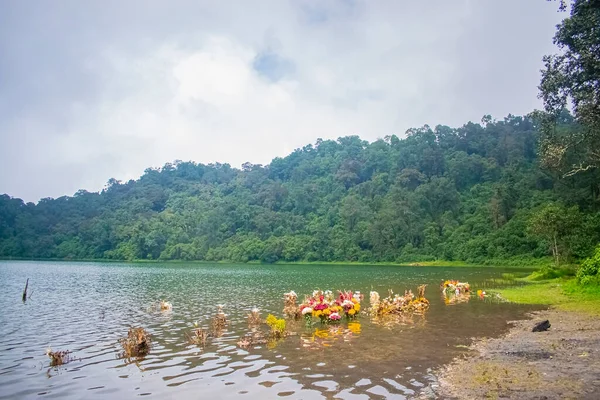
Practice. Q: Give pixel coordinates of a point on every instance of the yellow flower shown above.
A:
(318, 313)
(326, 311)
(351, 312)
(357, 307)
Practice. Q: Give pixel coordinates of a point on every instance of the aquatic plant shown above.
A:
(58, 357)
(136, 344)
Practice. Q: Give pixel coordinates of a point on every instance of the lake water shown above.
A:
(87, 307)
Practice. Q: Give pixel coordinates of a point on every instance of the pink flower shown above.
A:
(335, 316)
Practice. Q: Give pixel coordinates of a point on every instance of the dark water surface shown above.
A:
(87, 307)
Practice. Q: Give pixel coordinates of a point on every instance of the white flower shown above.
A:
(255, 310)
(307, 310)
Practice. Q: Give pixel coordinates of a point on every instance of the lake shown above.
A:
(88, 307)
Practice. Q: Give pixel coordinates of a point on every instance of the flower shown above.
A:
(357, 307)
(347, 304)
(307, 310)
(335, 316)
(351, 312)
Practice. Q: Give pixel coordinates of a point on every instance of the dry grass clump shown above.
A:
(198, 336)
(165, 305)
(136, 344)
(252, 339)
(254, 318)
(58, 357)
(219, 322)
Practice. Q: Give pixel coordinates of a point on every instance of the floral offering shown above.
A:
(399, 304)
(329, 309)
(455, 287)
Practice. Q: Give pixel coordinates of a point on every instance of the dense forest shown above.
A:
(474, 193)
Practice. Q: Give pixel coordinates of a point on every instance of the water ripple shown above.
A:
(88, 307)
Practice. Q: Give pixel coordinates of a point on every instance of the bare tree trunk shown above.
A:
(555, 251)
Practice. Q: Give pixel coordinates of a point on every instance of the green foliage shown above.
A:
(466, 194)
(551, 272)
(571, 78)
(589, 271)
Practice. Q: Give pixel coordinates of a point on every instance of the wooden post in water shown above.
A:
(25, 290)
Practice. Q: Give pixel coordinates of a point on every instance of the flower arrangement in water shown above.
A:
(397, 304)
(455, 287)
(290, 308)
(277, 326)
(454, 292)
(328, 309)
(350, 303)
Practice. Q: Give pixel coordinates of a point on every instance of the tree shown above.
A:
(555, 223)
(572, 78)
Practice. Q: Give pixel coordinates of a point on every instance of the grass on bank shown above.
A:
(562, 292)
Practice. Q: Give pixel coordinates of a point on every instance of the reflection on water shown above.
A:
(87, 308)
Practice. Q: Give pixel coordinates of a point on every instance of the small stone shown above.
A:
(541, 326)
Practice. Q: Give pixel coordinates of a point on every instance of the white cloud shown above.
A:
(190, 91)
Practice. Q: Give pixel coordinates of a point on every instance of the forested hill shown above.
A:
(474, 193)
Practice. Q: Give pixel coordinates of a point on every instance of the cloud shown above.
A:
(107, 89)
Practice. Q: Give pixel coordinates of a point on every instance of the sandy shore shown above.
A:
(561, 363)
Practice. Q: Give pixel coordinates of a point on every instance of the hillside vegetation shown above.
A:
(475, 193)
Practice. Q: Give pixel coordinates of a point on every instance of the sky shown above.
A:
(100, 89)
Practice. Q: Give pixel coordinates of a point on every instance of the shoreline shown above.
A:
(438, 263)
(563, 362)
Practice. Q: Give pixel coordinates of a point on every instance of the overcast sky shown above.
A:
(91, 90)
